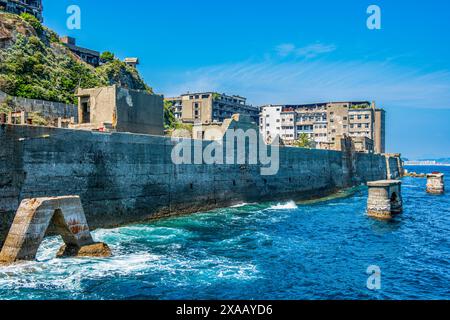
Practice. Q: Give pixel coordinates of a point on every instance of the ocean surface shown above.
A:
(311, 250)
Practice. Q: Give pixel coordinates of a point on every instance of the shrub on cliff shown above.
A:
(34, 22)
(107, 56)
(118, 72)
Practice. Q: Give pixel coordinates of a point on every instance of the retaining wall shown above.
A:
(47, 109)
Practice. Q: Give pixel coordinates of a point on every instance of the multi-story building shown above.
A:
(87, 55)
(270, 122)
(210, 107)
(325, 123)
(33, 7)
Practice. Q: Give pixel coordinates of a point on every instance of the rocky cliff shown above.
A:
(35, 64)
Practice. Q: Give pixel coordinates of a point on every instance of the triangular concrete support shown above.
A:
(34, 217)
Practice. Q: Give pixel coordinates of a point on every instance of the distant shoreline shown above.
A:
(428, 165)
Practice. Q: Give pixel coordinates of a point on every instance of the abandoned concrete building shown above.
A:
(216, 131)
(210, 107)
(132, 62)
(324, 122)
(33, 7)
(87, 55)
(116, 109)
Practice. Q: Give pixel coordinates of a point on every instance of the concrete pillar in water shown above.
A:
(64, 215)
(435, 183)
(385, 199)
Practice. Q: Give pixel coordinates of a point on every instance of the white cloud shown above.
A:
(309, 51)
(285, 49)
(272, 81)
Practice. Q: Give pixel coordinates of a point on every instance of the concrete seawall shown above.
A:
(125, 178)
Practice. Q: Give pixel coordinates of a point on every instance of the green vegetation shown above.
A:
(107, 56)
(169, 117)
(183, 126)
(34, 22)
(216, 96)
(304, 142)
(7, 106)
(37, 65)
(37, 119)
(360, 106)
(170, 122)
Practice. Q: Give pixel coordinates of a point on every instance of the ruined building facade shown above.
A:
(33, 7)
(116, 109)
(326, 123)
(210, 107)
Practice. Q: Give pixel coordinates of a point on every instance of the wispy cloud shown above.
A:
(273, 81)
(309, 51)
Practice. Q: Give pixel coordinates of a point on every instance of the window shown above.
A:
(367, 116)
(359, 117)
(345, 118)
(360, 125)
(352, 117)
(367, 126)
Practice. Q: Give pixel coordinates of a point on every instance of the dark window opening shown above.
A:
(86, 118)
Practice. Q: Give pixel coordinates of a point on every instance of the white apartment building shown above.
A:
(270, 122)
(310, 120)
(325, 123)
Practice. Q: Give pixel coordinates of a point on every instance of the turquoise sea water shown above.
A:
(315, 250)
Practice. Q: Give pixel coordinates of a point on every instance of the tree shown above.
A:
(107, 57)
(304, 142)
(169, 117)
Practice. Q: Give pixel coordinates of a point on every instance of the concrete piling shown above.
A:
(435, 183)
(385, 199)
(64, 215)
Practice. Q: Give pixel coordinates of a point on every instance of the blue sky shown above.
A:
(288, 51)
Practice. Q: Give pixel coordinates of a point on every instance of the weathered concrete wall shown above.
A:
(47, 109)
(123, 178)
(139, 112)
(127, 110)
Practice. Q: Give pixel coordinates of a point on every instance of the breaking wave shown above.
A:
(291, 205)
